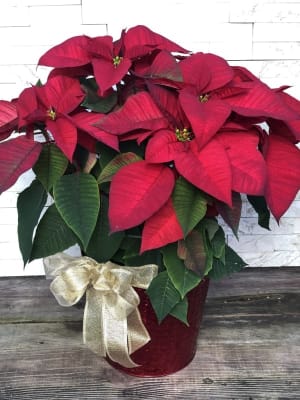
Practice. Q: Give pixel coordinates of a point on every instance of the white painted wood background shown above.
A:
(262, 35)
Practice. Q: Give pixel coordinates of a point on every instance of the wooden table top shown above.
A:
(248, 346)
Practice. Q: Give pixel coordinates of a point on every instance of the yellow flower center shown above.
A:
(203, 98)
(184, 135)
(51, 114)
(117, 60)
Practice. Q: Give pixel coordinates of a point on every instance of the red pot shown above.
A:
(173, 344)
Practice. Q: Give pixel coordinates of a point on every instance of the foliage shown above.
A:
(144, 145)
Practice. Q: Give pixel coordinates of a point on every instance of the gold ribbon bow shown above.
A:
(112, 323)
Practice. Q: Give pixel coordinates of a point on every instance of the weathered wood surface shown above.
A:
(248, 348)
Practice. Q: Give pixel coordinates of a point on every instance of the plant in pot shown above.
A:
(142, 151)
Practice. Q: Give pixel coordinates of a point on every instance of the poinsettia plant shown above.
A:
(142, 147)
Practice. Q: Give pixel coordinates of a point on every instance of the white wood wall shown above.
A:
(262, 35)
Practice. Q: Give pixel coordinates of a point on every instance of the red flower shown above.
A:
(52, 104)
(110, 60)
(203, 74)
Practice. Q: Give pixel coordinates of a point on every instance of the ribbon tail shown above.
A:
(93, 322)
(138, 335)
(116, 338)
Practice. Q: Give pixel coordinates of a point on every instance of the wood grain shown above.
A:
(248, 347)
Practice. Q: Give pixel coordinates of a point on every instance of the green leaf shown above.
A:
(182, 278)
(233, 263)
(29, 204)
(260, 206)
(77, 200)
(163, 295)
(50, 165)
(104, 245)
(210, 226)
(218, 244)
(180, 311)
(52, 235)
(94, 102)
(189, 203)
(115, 164)
(213, 241)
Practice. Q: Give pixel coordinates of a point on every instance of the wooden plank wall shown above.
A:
(248, 345)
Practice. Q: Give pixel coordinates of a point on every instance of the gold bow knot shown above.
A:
(112, 324)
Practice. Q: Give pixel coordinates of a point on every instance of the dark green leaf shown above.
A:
(115, 164)
(210, 226)
(260, 206)
(94, 102)
(52, 235)
(182, 278)
(180, 311)
(50, 165)
(218, 244)
(29, 204)
(104, 245)
(77, 200)
(106, 154)
(163, 295)
(189, 203)
(233, 263)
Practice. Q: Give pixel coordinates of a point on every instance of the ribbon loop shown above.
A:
(112, 324)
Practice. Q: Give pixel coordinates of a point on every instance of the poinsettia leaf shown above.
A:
(180, 311)
(77, 199)
(260, 206)
(218, 244)
(61, 92)
(231, 215)
(65, 135)
(248, 166)
(52, 235)
(163, 295)
(93, 101)
(70, 53)
(163, 147)
(107, 74)
(102, 245)
(210, 226)
(161, 228)
(8, 116)
(165, 66)
(233, 263)
(198, 253)
(85, 121)
(30, 204)
(116, 164)
(17, 156)
(190, 204)
(207, 169)
(138, 112)
(140, 40)
(182, 278)
(206, 71)
(50, 165)
(260, 100)
(132, 256)
(283, 169)
(206, 117)
(150, 188)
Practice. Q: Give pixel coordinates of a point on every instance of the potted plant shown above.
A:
(142, 148)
